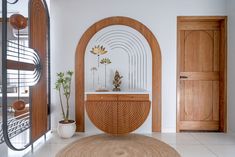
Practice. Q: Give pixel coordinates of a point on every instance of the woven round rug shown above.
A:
(132, 145)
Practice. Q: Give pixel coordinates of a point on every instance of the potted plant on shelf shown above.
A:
(66, 127)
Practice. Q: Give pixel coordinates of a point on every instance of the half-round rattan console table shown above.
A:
(117, 113)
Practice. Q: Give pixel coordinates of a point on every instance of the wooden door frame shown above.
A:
(156, 68)
(223, 66)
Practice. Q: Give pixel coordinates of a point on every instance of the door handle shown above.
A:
(183, 77)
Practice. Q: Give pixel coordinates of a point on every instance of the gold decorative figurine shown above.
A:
(117, 81)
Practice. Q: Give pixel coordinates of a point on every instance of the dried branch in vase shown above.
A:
(105, 61)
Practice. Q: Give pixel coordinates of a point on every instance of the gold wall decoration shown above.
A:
(98, 50)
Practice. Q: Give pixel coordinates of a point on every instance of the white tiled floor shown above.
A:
(187, 144)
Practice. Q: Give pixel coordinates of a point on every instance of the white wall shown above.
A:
(71, 18)
(231, 65)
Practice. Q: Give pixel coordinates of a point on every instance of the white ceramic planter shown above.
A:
(66, 130)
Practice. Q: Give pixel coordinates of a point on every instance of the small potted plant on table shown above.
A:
(66, 127)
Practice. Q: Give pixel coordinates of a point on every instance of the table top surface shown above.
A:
(129, 91)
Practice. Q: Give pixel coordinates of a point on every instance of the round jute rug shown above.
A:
(132, 145)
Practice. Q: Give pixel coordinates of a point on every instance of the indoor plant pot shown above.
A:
(66, 127)
(66, 130)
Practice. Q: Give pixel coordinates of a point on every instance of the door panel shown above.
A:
(216, 50)
(103, 114)
(198, 100)
(199, 75)
(216, 100)
(131, 115)
(198, 53)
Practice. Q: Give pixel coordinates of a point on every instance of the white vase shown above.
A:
(66, 130)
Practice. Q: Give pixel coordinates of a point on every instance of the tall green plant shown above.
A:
(63, 85)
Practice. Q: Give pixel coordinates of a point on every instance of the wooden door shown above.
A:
(201, 73)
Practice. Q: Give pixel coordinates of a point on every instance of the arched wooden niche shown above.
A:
(156, 68)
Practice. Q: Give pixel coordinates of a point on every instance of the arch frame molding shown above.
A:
(156, 68)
